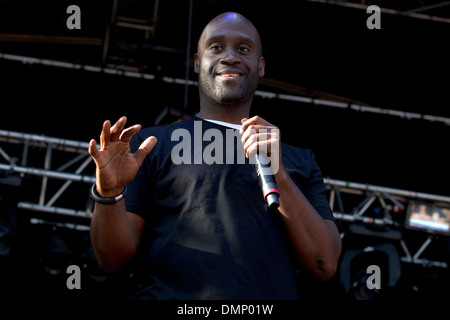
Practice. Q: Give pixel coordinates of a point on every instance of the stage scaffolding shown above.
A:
(353, 203)
(75, 157)
(131, 22)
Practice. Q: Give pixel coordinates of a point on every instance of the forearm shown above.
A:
(315, 240)
(112, 236)
(116, 233)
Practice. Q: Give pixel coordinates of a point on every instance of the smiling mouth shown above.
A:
(229, 75)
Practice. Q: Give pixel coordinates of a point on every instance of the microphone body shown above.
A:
(267, 181)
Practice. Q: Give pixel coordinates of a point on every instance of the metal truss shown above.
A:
(337, 102)
(72, 158)
(132, 22)
(419, 9)
(354, 204)
(363, 205)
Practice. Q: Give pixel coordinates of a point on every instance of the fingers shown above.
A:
(259, 135)
(94, 152)
(117, 128)
(262, 148)
(116, 132)
(105, 135)
(93, 148)
(126, 134)
(144, 149)
(256, 120)
(260, 142)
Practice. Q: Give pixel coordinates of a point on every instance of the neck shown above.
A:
(230, 114)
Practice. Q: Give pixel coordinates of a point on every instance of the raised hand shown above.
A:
(116, 165)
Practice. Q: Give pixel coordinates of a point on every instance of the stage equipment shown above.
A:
(132, 22)
(56, 255)
(379, 212)
(5, 240)
(432, 218)
(383, 216)
(353, 270)
(134, 72)
(67, 153)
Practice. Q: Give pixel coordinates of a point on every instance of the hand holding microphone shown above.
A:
(261, 144)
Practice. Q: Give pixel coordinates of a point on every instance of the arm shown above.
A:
(315, 240)
(116, 233)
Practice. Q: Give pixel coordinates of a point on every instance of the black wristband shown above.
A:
(98, 198)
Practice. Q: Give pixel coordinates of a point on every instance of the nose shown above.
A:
(230, 58)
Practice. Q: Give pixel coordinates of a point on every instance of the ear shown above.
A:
(262, 66)
(196, 63)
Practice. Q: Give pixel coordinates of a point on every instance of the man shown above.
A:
(204, 228)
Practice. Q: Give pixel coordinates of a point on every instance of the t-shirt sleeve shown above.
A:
(306, 173)
(315, 191)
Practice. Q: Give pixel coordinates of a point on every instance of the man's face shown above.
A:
(229, 61)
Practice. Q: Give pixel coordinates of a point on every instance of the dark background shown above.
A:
(311, 49)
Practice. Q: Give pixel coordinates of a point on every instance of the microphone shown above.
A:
(267, 181)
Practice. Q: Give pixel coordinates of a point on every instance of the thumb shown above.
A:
(93, 148)
(144, 149)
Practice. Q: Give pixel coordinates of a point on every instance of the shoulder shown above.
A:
(163, 134)
(296, 155)
(165, 130)
(299, 161)
(296, 151)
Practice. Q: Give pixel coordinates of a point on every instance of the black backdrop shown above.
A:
(404, 66)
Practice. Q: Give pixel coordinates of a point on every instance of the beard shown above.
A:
(227, 93)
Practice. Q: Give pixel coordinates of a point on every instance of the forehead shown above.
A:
(230, 26)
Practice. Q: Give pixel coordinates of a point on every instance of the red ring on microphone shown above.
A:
(269, 191)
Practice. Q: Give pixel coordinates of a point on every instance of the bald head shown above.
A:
(230, 21)
(229, 63)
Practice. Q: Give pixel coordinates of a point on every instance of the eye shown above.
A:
(244, 49)
(215, 47)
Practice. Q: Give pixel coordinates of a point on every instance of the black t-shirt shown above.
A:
(209, 233)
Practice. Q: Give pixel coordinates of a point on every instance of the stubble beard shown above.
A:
(224, 94)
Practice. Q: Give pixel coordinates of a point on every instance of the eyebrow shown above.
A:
(221, 37)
